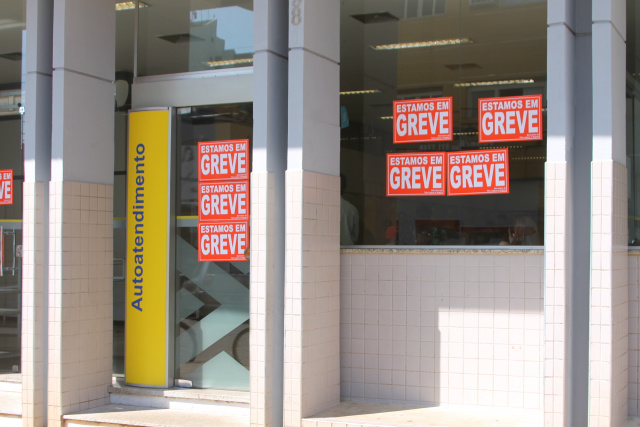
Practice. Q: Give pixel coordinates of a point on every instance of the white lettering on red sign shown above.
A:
(422, 120)
(223, 160)
(6, 187)
(478, 172)
(223, 201)
(416, 174)
(222, 241)
(515, 118)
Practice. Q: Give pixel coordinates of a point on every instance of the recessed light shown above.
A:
(360, 92)
(229, 62)
(495, 83)
(128, 5)
(413, 45)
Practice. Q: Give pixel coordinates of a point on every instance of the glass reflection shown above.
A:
(462, 49)
(633, 120)
(177, 37)
(212, 298)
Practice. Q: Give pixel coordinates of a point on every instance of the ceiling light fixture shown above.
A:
(229, 62)
(495, 83)
(360, 92)
(412, 45)
(128, 5)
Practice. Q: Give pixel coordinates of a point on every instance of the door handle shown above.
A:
(4, 268)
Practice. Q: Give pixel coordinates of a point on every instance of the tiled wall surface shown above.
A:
(460, 328)
(262, 297)
(609, 321)
(312, 295)
(556, 290)
(80, 297)
(33, 302)
(634, 335)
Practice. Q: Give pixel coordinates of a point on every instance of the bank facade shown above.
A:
(439, 211)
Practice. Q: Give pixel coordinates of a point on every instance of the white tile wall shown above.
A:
(33, 301)
(634, 335)
(556, 289)
(609, 321)
(312, 295)
(80, 297)
(262, 297)
(444, 328)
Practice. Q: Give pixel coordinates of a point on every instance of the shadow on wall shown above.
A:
(442, 329)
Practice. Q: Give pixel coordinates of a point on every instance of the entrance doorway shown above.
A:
(212, 298)
(11, 179)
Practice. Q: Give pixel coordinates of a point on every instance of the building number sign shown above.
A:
(296, 12)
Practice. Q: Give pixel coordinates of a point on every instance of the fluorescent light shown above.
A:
(229, 62)
(128, 5)
(412, 45)
(7, 24)
(360, 92)
(386, 117)
(495, 83)
(465, 134)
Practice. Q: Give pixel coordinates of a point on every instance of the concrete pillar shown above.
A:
(81, 207)
(567, 195)
(312, 306)
(609, 295)
(37, 153)
(267, 212)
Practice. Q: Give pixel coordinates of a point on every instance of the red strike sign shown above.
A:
(222, 241)
(223, 201)
(422, 120)
(478, 172)
(6, 187)
(415, 174)
(223, 160)
(514, 118)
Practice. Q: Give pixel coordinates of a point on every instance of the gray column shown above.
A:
(81, 207)
(608, 335)
(37, 157)
(267, 212)
(567, 189)
(312, 359)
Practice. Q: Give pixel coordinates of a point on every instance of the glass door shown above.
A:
(11, 179)
(212, 298)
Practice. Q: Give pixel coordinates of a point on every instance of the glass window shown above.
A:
(125, 36)
(182, 36)
(633, 120)
(12, 27)
(212, 298)
(465, 50)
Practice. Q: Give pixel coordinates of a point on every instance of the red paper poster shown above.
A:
(223, 201)
(223, 160)
(6, 187)
(222, 241)
(416, 174)
(514, 118)
(422, 120)
(478, 172)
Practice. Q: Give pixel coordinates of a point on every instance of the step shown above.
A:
(10, 400)
(219, 402)
(10, 409)
(125, 415)
(11, 383)
(10, 421)
(10, 403)
(357, 414)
